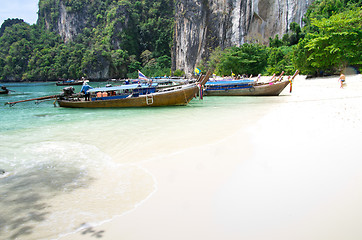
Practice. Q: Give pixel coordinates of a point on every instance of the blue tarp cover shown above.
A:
(232, 82)
(122, 87)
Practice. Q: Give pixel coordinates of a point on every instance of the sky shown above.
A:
(24, 9)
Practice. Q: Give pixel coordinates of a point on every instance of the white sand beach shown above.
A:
(292, 173)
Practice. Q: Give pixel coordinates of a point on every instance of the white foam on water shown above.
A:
(61, 185)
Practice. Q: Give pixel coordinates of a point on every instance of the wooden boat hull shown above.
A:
(261, 89)
(180, 95)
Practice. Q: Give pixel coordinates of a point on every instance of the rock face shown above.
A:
(63, 18)
(203, 25)
(67, 23)
(70, 24)
(200, 26)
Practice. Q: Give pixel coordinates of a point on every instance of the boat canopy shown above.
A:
(232, 82)
(123, 87)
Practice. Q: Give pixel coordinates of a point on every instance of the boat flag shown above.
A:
(141, 76)
(197, 71)
(232, 75)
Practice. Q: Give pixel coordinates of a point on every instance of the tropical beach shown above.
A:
(287, 168)
(224, 167)
(180, 120)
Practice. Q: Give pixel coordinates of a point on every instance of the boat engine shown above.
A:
(68, 91)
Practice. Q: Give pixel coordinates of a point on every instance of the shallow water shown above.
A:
(67, 167)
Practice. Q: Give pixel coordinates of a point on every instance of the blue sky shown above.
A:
(24, 9)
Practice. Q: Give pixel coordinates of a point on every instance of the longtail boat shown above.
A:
(71, 82)
(130, 95)
(247, 87)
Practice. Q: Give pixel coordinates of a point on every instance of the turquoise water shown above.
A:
(66, 167)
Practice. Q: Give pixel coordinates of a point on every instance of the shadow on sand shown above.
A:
(25, 198)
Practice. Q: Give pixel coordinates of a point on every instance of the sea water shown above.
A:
(67, 168)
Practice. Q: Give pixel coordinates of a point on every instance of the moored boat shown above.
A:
(71, 82)
(132, 95)
(129, 95)
(246, 87)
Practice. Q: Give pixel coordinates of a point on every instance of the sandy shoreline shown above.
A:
(294, 173)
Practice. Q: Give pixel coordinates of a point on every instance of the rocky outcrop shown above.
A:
(203, 25)
(200, 26)
(58, 17)
(70, 19)
(70, 24)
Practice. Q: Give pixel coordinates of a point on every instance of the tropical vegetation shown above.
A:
(123, 36)
(330, 40)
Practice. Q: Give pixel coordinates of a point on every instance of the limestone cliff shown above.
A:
(57, 17)
(203, 25)
(200, 25)
(71, 18)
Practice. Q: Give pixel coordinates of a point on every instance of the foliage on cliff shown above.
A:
(114, 39)
(333, 38)
(329, 41)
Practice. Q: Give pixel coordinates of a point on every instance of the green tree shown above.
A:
(214, 59)
(111, 31)
(280, 59)
(119, 63)
(321, 9)
(276, 42)
(336, 44)
(246, 59)
(8, 23)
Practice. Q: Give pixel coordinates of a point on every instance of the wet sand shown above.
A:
(293, 173)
